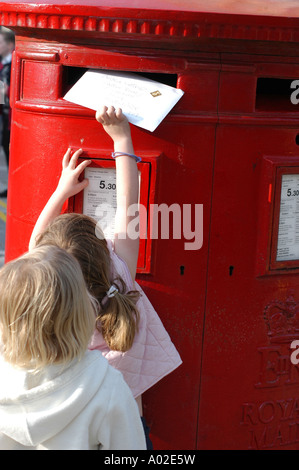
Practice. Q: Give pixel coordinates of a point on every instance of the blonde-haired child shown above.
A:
(129, 332)
(54, 393)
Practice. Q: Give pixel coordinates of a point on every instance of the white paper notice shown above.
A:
(144, 102)
(288, 232)
(99, 198)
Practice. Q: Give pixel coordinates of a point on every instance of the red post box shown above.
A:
(231, 306)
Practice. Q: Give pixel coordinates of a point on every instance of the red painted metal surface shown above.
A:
(225, 145)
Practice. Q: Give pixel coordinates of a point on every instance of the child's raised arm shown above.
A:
(117, 127)
(127, 188)
(68, 186)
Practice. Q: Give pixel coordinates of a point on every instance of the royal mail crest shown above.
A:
(282, 320)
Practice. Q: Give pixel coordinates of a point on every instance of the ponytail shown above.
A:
(119, 317)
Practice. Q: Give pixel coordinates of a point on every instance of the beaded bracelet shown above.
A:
(119, 154)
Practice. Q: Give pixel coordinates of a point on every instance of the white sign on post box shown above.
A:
(288, 231)
(99, 198)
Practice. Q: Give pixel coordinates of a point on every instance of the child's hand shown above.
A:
(69, 183)
(114, 122)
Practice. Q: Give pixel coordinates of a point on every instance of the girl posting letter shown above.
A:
(129, 332)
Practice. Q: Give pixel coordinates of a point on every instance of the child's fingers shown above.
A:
(115, 115)
(119, 113)
(74, 158)
(101, 114)
(111, 113)
(107, 115)
(66, 158)
(81, 167)
(83, 184)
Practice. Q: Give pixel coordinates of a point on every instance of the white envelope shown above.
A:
(144, 102)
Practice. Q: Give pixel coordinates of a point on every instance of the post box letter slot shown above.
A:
(274, 95)
(72, 74)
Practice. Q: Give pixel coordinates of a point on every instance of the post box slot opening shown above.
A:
(165, 78)
(72, 74)
(274, 95)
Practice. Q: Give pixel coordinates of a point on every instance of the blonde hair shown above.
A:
(46, 313)
(118, 316)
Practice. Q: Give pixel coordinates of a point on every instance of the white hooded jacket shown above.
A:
(84, 406)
